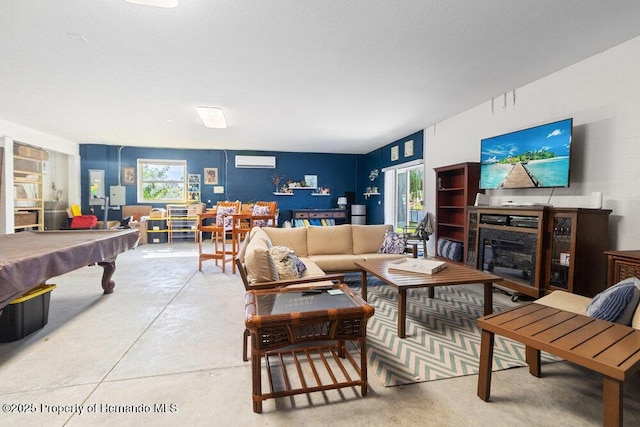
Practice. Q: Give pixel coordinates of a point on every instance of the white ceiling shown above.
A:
(336, 76)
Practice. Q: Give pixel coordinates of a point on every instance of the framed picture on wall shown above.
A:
(193, 189)
(408, 148)
(311, 181)
(211, 176)
(395, 153)
(128, 175)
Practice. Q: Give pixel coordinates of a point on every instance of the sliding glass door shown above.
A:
(404, 188)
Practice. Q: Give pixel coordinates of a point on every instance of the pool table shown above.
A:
(29, 258)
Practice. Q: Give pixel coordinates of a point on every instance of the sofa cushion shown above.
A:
(612, 303)
(373, 257)
(393, 243)
(312, 269)
(294, 238)
(626, 316)
(331, 240)
(260, 265)
(635, 321)
(337, 263)
(567, 301)
(368, 238)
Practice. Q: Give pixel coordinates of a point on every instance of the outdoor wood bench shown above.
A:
(611, 349)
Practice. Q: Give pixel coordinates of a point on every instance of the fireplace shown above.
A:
(510, 254)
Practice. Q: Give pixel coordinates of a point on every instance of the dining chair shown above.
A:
(261, 217)
(220, 227)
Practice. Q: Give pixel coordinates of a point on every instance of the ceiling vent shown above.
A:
(258, 162)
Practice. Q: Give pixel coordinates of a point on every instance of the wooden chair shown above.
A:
(221, 226)
(244, 222)
(267, 220)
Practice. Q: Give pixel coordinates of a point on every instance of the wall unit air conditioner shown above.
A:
(262, 162)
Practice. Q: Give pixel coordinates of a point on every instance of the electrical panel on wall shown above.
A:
(117, 195)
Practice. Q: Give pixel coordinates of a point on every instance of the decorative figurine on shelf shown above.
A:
(285, 189)
(275, 179)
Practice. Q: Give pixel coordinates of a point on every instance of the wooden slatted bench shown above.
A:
(611, 349)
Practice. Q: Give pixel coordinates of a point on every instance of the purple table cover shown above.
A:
(29, 258)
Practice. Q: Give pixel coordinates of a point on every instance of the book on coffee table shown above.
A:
(426, 266)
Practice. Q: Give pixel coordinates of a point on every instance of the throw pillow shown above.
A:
(259, 211)
(449, 249)
(222, 218)
(611, 303)
(300, 266)
(393, 243)
(284, 259)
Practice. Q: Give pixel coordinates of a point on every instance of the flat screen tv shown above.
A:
(536, 157)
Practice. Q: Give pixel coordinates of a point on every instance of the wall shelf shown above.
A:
(367, 195)
(320, 194)
(301, 188)
(282, 194)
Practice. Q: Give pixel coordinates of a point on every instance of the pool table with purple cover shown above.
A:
(29, 258)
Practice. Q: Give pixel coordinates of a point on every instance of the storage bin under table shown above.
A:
(26, 314)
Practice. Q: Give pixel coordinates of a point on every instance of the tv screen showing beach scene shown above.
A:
(537, 157)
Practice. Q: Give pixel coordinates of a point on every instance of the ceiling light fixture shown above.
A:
(156, 3)
(212, 117)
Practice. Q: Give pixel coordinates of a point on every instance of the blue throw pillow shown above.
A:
(449, 249)
(611, 303)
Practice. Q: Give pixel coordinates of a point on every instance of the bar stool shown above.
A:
(219, 229)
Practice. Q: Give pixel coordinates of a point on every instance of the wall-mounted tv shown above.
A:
(536, 157)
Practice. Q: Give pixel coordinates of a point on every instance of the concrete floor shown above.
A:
(168, 341)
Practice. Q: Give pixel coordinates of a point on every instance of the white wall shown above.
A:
(602, 94)
(64, 167)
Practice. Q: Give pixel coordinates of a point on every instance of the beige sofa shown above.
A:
(322, 249)
(577, 304)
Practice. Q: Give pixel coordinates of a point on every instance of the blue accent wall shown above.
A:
(338, 172)
(379, 159)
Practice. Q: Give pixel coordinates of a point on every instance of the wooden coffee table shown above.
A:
(453, 274)
(291, 327)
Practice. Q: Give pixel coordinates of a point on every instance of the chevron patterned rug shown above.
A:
(443, 340)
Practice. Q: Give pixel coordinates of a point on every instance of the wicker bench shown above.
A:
(611, 349)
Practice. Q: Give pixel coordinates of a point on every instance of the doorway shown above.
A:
(404, 188)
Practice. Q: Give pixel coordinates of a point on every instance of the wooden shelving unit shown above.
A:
(27, 181)
(456, 188)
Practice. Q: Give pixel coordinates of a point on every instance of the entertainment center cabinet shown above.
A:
(538, 249)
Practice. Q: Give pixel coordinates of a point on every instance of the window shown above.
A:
(404, 194)
(162, 181)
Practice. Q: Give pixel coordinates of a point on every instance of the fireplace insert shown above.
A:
(509, 254)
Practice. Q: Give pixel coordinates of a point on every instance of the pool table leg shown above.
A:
(109, 268)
